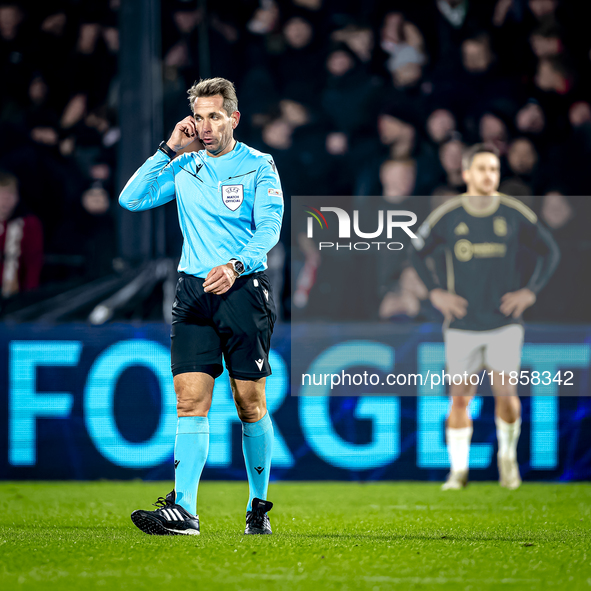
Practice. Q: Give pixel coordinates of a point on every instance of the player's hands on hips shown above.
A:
(220, 279)
(449, 304)
(515, 303)
(184, 133)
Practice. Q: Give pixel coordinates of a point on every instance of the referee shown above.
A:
(230, 207)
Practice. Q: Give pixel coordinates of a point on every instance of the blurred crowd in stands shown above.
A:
(351, 98)
(58, 113)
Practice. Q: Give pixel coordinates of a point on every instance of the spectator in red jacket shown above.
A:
(21, 241)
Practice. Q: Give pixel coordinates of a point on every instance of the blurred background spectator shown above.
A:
(21, 242)
(352, 99)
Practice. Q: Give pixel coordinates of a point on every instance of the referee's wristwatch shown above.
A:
(237, 265)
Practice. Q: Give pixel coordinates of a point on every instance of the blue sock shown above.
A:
(190, 453)
(257, 445)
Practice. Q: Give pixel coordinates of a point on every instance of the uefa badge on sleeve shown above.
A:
(233, 196)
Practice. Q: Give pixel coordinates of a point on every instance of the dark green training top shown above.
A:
(481, 255)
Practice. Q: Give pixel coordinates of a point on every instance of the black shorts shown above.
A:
(237, 324)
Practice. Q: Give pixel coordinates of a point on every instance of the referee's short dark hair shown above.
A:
(213, 87)
(469, 153)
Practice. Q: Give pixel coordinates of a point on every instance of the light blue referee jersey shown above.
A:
(229, 207)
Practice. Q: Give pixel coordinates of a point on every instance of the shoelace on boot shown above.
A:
(162, 502)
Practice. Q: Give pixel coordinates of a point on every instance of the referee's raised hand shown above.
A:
(220, 279)
(184, 133)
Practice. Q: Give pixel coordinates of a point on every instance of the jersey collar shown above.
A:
(481, 213)
(227, 155)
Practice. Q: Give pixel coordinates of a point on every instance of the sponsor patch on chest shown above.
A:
(500, 226)
(233, 196)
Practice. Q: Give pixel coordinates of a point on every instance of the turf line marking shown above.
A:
(396, 580)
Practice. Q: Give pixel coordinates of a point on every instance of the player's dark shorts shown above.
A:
(237, 324)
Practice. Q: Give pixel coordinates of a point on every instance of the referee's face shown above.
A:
(484, 175)
(214, 126)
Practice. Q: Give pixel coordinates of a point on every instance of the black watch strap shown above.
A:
(164, 147)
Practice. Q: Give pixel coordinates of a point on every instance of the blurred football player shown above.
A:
(482, 299)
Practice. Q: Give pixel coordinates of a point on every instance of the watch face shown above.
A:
(239, 267)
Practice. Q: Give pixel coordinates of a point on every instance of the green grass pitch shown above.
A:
(61, 536)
